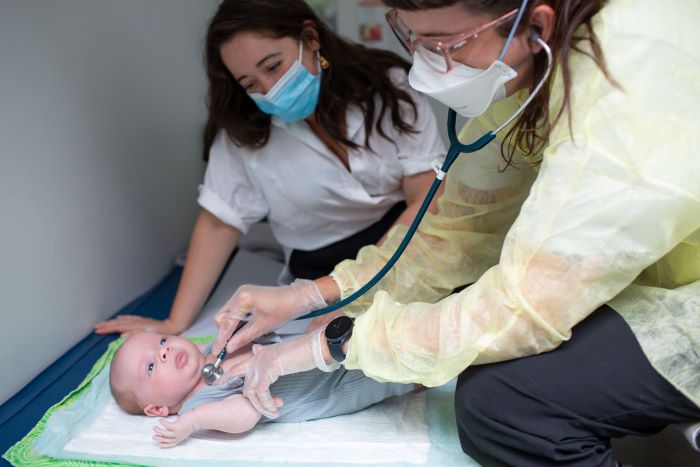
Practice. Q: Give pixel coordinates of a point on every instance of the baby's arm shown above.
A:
(235, 414)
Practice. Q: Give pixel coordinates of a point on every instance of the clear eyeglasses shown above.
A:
(437, 52)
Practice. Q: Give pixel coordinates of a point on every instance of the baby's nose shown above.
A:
(164, 353)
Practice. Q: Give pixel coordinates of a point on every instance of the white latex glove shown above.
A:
(171, 434)
(272, 361)
(266, 309)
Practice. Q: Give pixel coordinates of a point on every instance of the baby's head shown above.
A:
(154, 373)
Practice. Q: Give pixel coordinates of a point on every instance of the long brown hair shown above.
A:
(356, 75)
(530, 132)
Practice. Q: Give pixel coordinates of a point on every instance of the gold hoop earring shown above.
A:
(323, 62)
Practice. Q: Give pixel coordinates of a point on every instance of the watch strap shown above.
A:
(318, 355)
(335, 344)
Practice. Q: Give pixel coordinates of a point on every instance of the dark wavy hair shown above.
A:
(356, 75)
(531, 130)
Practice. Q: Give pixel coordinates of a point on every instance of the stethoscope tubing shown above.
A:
(456, 148)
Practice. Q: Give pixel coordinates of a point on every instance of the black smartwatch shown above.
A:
(337, 332)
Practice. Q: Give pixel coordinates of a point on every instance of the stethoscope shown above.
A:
(212, 372)
(456, 148)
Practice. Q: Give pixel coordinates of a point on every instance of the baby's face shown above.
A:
(161, 369)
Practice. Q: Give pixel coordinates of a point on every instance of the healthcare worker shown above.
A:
(578, 229)
(324, 138)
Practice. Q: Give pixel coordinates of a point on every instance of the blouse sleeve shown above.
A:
(417, 150)
(228, 192)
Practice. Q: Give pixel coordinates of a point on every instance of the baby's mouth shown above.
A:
(180, 359)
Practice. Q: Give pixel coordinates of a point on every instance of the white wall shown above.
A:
(101, 114)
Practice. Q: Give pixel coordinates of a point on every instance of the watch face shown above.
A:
(338, 327)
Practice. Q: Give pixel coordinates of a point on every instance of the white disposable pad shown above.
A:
(96, 428)
(398, 430)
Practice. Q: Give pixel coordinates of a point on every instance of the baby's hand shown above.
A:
(173, 433)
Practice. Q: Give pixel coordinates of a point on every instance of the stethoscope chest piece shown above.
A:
(211, 373)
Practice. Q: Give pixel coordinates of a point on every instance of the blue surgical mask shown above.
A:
(294, 96)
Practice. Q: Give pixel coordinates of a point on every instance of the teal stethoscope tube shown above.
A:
(456, 148)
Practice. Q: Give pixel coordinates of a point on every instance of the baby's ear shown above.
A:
(156, 411)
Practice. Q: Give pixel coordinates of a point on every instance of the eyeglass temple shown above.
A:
(391, 17)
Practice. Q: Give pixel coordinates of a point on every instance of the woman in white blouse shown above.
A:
(324, 138)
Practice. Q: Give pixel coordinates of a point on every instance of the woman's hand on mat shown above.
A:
(266, 309)
(171, 434)
(269, 363)
(131, 324)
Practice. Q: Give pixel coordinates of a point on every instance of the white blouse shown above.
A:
(309, 197)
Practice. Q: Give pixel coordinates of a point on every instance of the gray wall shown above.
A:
(101, 113)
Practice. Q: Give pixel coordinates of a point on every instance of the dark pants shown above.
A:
(318, 263)
(562, 407)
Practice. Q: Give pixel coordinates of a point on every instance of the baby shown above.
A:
(160, 375)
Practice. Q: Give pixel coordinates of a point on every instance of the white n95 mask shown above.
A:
(469, 91)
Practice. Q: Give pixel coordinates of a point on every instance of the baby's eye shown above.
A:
(274, 67)
(149, 368)
(163, 340)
